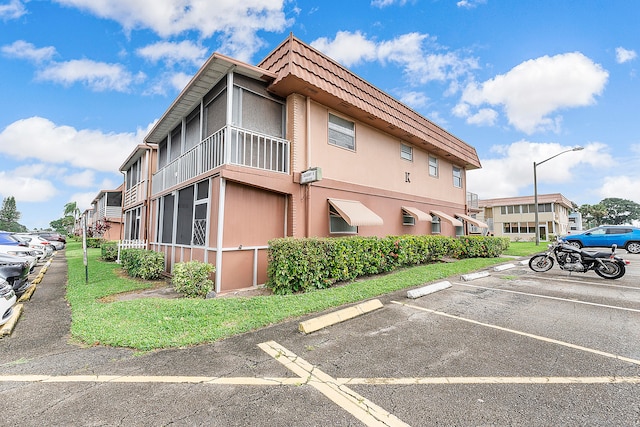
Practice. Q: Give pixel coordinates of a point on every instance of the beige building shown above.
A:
(296, 146)
(514, 217)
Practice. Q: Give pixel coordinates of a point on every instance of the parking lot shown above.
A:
(512, 348)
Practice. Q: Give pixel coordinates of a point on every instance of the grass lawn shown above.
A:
(151, 323)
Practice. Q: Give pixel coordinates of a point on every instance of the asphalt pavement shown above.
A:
(512, 347)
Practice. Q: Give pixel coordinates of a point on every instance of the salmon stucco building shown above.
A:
(296, 146)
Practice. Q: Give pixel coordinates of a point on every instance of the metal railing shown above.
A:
(229, 145)
(135, 194)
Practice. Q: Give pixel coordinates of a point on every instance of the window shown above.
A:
(200, 214)
(433, 166)
(166, 226)
(406, 152)
(114, 199)
(175, 143)
(457, 177)
(337, 224)
(184, 221)
(408, 219)
(192, 134)
(342, 132)
(435, 225)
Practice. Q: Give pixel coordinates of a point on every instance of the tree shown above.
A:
(71, 209)
(63, 225)
(9, 216)
(620, 211)
(593, 214)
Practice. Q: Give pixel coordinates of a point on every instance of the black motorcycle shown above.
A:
(606, 264)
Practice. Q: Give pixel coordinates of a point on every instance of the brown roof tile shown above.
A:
(302, 69)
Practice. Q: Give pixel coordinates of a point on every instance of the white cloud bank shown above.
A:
(530, 93)
(237, 22)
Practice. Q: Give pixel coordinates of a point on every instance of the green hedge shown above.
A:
(299, 265)
(95, 242)
(142, 263)
(192, 278)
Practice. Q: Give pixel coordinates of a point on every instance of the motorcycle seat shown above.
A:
(598, 254)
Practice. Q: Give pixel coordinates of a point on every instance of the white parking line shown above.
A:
(550, 297)
(363, 409)
(524, 334)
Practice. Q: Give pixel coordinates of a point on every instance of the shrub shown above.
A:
(142, 263)
(192, 278)
(109, 251)
(95, 242)
(300, 265)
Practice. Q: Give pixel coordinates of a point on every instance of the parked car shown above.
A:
(625, 236)
(56, 245)
(7, 301)
(15, 271)
(23, 252)
(36, 242)
(52, 236)
(7, 238)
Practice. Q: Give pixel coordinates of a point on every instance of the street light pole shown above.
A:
(535, 188)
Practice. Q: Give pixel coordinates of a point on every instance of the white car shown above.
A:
(29, 254)
(36, 242)
(7, 301)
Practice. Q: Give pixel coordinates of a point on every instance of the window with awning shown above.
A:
(354, 213)
(443, 216)
(416, 213)
(472, 220)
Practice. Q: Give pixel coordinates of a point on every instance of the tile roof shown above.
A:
(299, 68)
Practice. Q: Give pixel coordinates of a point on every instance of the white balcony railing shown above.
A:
(230, 145)
(135, 194)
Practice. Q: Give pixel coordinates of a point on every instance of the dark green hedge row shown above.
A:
(142, 263)
(298, 265)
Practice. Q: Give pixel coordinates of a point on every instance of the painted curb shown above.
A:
(503, 267)
(318, 323)
(28, 293)
(426, 290)
(473, 276)
(7, 328)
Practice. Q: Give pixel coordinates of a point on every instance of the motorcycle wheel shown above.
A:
(610, 269)
(541, 263)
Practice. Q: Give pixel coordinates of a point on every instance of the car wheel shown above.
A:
(575, 244)
(633, 247)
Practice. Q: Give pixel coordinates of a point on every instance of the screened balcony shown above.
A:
(230, 145)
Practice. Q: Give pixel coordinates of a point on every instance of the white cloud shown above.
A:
(83, 200)
(418, 54)
(98, 76)
(65, 145)
(470, 4)
(347, 48)
(484, 117)
(510, 172)
(238, 22)
(12, 10)
(623, 55)
(385, 3)
(24, 50)
(533, 90)
(624, 187)
(172, 53)
(85, 178)
(25, 188)
(414, 99)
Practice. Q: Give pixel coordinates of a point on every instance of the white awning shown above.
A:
(444, 216)
(472, 220)
(417, 214)
(355, 213)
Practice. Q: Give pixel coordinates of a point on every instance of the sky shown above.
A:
(83, 81)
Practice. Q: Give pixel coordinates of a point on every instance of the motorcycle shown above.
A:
(607, 265)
